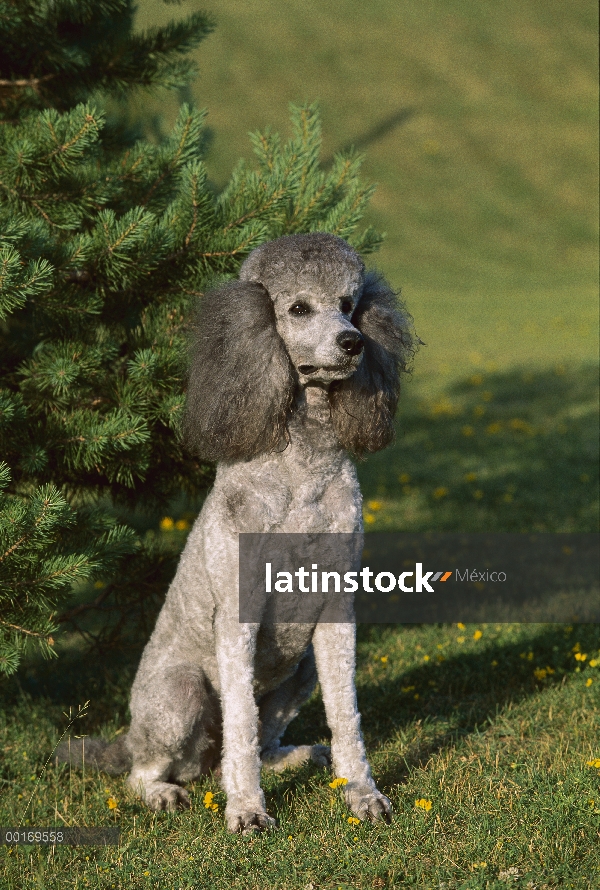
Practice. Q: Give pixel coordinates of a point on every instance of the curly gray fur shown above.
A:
(363, 406)
(241, 380)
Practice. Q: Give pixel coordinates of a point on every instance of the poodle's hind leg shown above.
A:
(174, 735)
(277, 709)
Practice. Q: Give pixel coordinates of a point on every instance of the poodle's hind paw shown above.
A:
(368, 803)
(164, 796)
(278, 759)
(321, 755)
(248, 821)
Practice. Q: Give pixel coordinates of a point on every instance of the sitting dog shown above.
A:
(294, 365)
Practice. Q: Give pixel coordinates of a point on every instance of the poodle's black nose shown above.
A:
(351, 342)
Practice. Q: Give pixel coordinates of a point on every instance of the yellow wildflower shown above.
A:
(589, 681)
(374, 505)
(406, 688)
(167, 524)
(468, 431)
(470, 477)
(209, 803)
(580, 656)
(111, 803)
(493, 428)
(440, 492)
(404, 478)
(477, 635)
(352, 820)
(540, 673)
(384, 659)
(423, 804)
(517, 424)
(595, 762)
(460, 639)
(461, 626)
(594, 662)
(369, 518)
(182, 525)
(337, 782)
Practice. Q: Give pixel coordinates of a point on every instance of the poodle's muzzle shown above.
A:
(352, 345)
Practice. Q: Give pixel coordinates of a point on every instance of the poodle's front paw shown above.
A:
(164, 796)
(248, 821)
(368, 803)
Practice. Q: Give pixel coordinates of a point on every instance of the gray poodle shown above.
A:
(294, 365)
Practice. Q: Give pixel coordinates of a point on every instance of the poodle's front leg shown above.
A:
(334, 646)
(240, 765)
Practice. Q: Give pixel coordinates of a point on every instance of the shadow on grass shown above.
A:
(513, 452)
(457, 697)
(363, 140)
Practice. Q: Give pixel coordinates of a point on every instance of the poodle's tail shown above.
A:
(113, 758)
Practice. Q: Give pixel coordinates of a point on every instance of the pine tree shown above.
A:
(105, 247)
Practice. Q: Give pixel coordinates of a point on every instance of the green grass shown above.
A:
(450, 716)
(478, 120)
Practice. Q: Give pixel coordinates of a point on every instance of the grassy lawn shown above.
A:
(494, 729)
(478, 120)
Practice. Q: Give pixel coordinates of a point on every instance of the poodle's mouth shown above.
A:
(331, 369)
(326, 373)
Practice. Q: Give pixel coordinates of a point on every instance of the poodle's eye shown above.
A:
(346, 307)
(300, 308)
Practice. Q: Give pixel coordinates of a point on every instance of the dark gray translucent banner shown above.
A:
(390, 577)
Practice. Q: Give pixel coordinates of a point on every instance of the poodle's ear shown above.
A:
(241, 382)
(363, 406)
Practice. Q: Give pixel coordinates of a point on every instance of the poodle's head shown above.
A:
(315, 283)
(303, 313)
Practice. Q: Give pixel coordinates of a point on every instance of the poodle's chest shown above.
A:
(307, 492)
